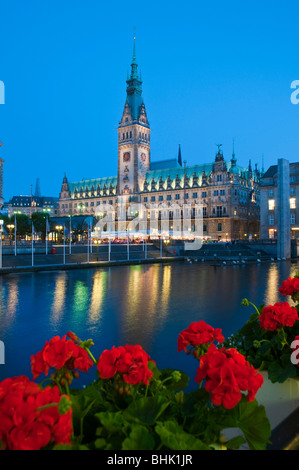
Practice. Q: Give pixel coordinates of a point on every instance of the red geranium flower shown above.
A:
(25, 422)
(290, 286)
(198, 333)
(60, 353)
(131, 362)
(278, 315)
(227, 374)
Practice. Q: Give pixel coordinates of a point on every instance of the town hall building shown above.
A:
(229, 194)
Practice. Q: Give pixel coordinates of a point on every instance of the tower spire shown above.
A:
(233, 159)
(134, 46)
(180, 156)
(134, 73)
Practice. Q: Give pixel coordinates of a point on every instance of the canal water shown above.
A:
(143, 304)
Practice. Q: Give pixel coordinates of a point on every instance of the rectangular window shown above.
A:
(293, 203)
(219, 211)
(292, 191)
(222, 192)
(204, 211)
(271, 204)
(219, 177)
(270, 193)
(153, 198)
(292, 219)
(177, 196)
(271, 219)
(216, 192)
(194, 195)
(145, 199)
(203, 194)
(168, 197)
(160, 198)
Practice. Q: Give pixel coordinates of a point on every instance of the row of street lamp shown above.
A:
(62, 227)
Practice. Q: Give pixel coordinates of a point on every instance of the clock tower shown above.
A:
(133, 137)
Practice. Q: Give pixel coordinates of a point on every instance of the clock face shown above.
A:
(126, 157)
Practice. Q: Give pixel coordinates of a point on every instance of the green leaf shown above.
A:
(193, 400)
(139, 439)
(146, 410)
(174, 437)
(112, 422)
(251, 418)
(152, 366)
(100, 443)
(235, 443)
(281, 371)
(171, 384)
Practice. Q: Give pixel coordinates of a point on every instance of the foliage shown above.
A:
(131, 404)
(39, 222)
(267, 337)
(23, 223)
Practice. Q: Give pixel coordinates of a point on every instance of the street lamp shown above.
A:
(59, 227)
(16, 212)
(70, 234)
(62, 227)
(10, 227)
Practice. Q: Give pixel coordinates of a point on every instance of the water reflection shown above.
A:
(166, 290)
(145, 304)
(99, 289)
(9, 301)
(80, 299)
(59, 296)
(272, 285)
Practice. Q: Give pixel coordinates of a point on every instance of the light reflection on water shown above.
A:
(142, 304)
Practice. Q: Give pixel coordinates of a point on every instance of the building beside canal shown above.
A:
(229, 194)
(269, 202)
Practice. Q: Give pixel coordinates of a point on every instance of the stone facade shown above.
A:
(229, 194)
(29, 204)
(270, 206)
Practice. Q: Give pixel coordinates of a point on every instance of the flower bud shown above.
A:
(176, 375)
(245, 302)
(179, 397)
(65, 404)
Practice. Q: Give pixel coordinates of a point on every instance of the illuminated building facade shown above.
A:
(269, 202)
(228, 193)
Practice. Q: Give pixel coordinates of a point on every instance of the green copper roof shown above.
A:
(97, 182)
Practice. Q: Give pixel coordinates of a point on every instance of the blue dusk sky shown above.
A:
(212, 72)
